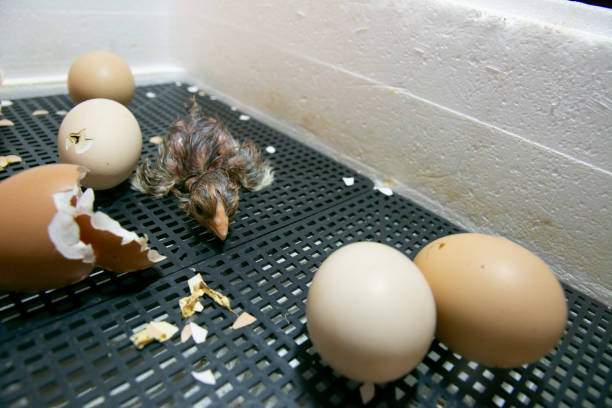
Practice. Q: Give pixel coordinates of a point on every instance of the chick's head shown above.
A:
(212, 200)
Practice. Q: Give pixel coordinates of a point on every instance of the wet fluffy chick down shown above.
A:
(205, 167)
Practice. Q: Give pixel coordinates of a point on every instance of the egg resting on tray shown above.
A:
(205, 167)
(52, 237)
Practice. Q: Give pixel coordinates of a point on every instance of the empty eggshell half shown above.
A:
(53, 238)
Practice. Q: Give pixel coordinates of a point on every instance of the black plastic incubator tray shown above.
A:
(71, 347)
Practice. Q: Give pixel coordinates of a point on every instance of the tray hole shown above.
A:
(224, 390)
(468, 400)
(96, 402)
(155, 390)
(244, 375)
(257, 389)
(237, 402)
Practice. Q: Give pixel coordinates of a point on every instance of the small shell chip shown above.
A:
(349, 181)
(243, 320)
(195, 331)
(198, 287)
(156, 139)
(6, 160)
(244, 117)
(206, 377)
(367, 391)
(6, 122)
(384, 187)
(195, 285)
(190, 305)
(160, 331)
(141, 338)
(40, 112)
(221, 299)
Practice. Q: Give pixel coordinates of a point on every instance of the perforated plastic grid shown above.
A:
(305, 182)
(71, 347)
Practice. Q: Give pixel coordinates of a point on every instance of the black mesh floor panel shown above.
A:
(71, 347)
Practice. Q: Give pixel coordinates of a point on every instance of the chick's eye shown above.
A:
(198, 210)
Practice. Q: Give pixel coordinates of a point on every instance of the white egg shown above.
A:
(103, 136)
(370, 312)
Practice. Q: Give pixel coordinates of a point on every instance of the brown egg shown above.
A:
(100, 74)
(103, 136)
(498, 304)
(28, 258)
(370, 313)
(51, 235)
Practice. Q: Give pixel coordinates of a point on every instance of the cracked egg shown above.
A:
(104, 136)
(52, 235)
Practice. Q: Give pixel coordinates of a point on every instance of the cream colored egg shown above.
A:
(104, 136)
(370, 313)
(498, 303)
(100, 74)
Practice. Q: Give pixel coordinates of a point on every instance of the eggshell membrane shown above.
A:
(113, 142)
(55, 237)
(29, 260)
(370, 313)
(100, 74)
(112, 252)
(498, 304)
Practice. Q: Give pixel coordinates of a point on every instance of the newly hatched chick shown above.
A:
(204, 166)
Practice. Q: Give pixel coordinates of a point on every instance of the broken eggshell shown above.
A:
(47, 242)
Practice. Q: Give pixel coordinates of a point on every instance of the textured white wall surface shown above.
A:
(499, 117)
(495, 114)
(41, 39)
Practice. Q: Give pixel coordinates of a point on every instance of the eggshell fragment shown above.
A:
(6, 160)
(160, 331)
(243, 320)
(190, 305)
(206, 377)
(498, 303)
(367, 392)
(349, 181)
(195, 331)
(29, 259)
(198, 288)
(57, 238)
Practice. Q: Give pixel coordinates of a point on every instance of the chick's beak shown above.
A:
(220, 222)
